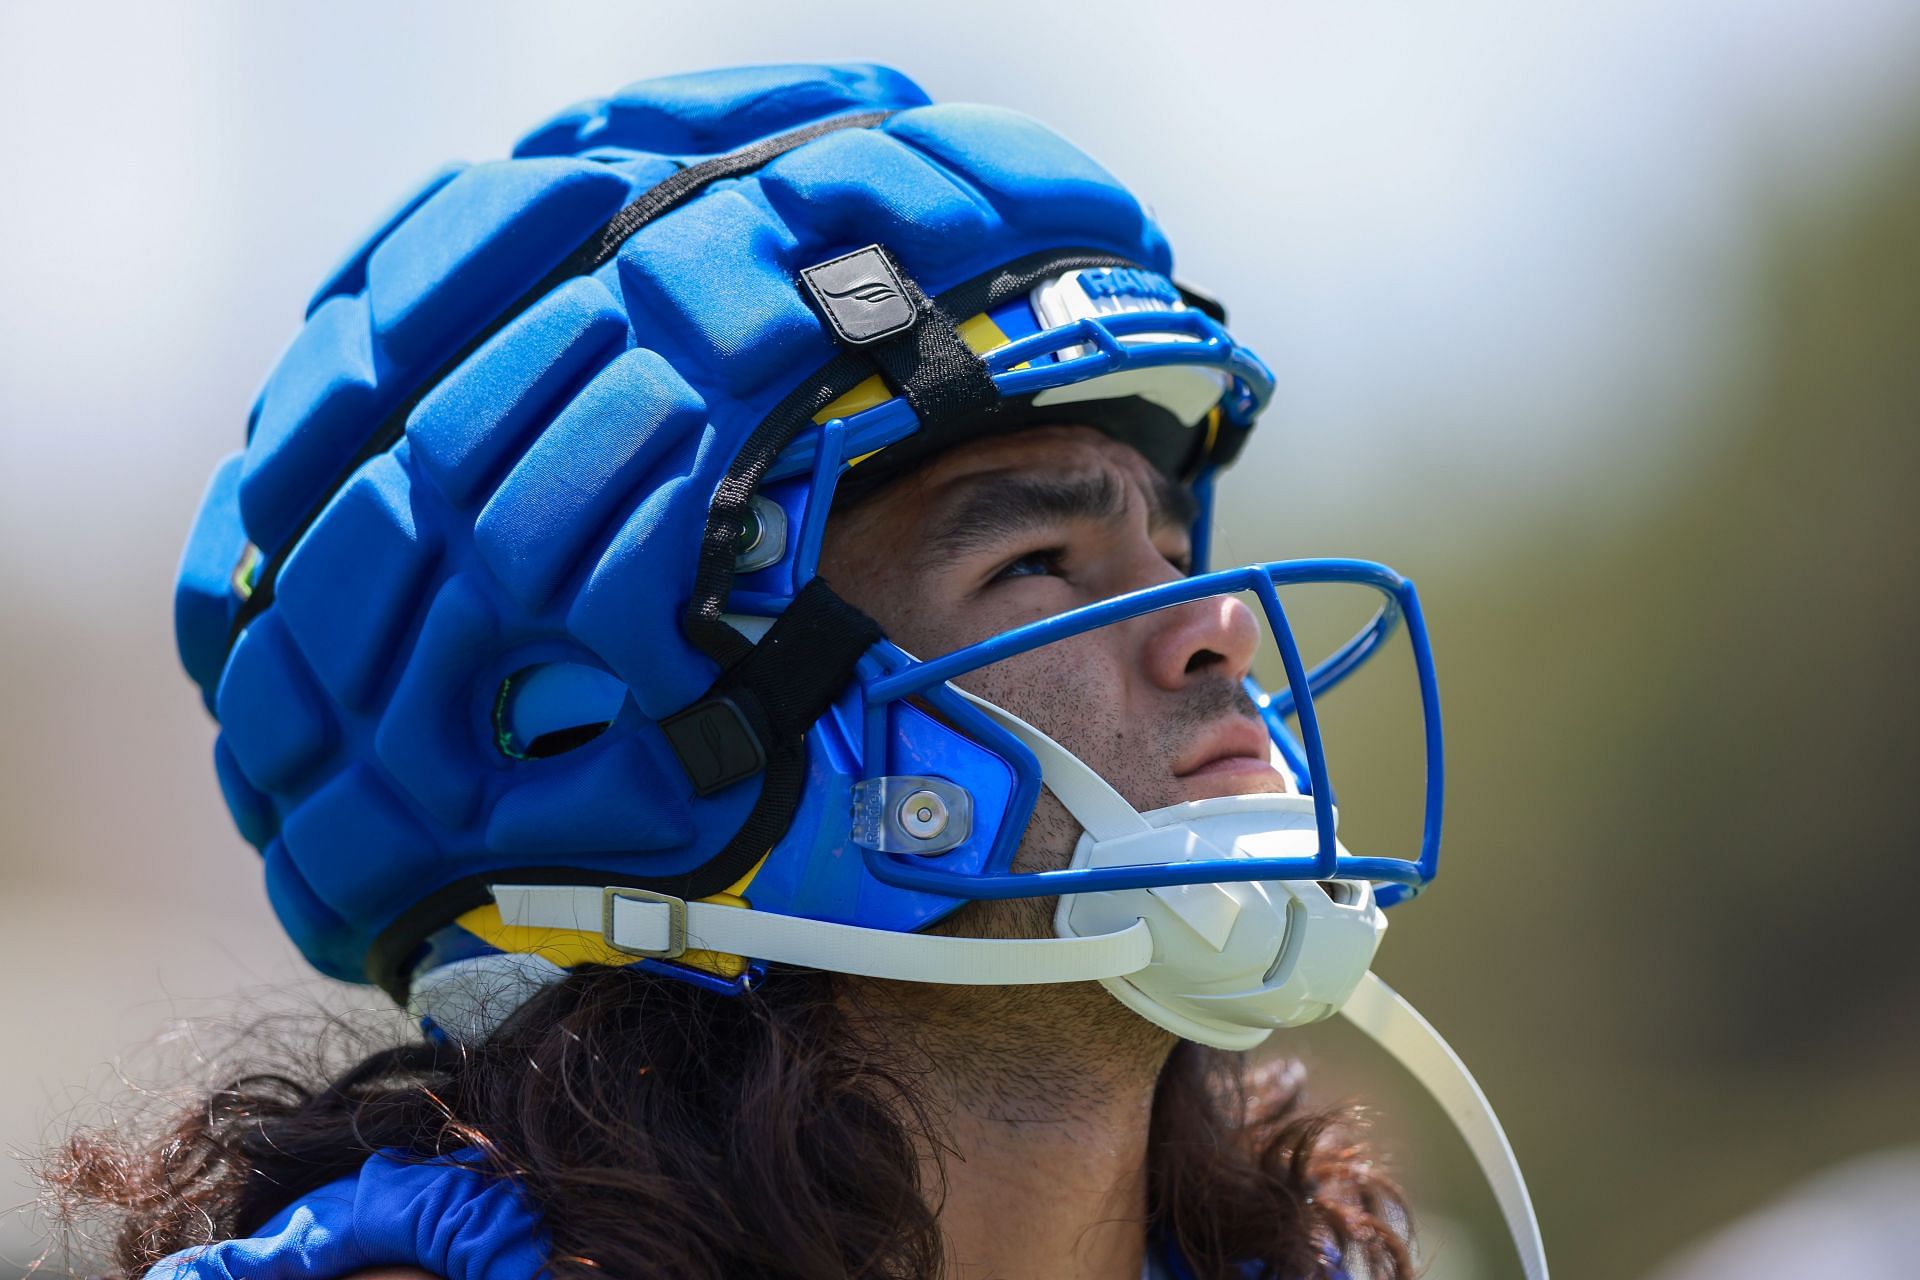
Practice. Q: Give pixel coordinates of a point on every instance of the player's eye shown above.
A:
(1033, 564)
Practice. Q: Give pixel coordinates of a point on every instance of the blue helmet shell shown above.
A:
(481, 478)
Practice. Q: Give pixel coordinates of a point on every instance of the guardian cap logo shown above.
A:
(861, 296)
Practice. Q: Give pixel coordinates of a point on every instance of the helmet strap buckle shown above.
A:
(632, 922)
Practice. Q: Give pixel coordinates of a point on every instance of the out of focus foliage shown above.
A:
(1673, 922)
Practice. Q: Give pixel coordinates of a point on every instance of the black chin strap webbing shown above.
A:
(761, 707)
(774, 691)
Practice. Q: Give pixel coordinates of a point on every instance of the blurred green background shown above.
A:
(1601, 326)
(1682, 797)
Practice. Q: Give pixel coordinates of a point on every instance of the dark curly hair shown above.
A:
(663, 1131)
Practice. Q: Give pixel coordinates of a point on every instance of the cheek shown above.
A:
(1075, 692)
(1078, 693)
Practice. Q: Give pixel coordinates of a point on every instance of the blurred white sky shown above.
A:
(1487, 246)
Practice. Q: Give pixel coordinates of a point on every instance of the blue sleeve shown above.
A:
(445, 1216)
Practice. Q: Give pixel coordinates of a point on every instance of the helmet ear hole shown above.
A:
(552, 708)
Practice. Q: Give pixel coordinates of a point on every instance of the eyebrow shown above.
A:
(1004, 505)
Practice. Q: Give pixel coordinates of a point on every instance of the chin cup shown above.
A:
(1234, 960)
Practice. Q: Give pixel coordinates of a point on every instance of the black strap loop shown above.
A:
(919, 350)
(939, 375)
(763, 705)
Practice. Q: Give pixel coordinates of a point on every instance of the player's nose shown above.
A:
(1208, 638)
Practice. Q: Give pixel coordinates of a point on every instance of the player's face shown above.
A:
(1006, 531)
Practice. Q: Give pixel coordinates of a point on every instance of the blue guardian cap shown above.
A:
(477, 602)
(508, 608)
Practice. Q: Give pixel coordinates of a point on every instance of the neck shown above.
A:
(1042, 1099)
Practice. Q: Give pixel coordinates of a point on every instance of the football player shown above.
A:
(713, 615)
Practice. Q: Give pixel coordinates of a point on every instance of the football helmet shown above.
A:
(508, 609)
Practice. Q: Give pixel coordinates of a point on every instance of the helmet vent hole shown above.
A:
(555, 707)
(561, 741)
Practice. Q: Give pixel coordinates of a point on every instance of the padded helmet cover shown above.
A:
(547, 499)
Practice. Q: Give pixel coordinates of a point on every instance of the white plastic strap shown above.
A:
(1411, 1040)
(645, 924)
(1090, 798)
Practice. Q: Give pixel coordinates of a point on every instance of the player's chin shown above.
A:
(1236, 776)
